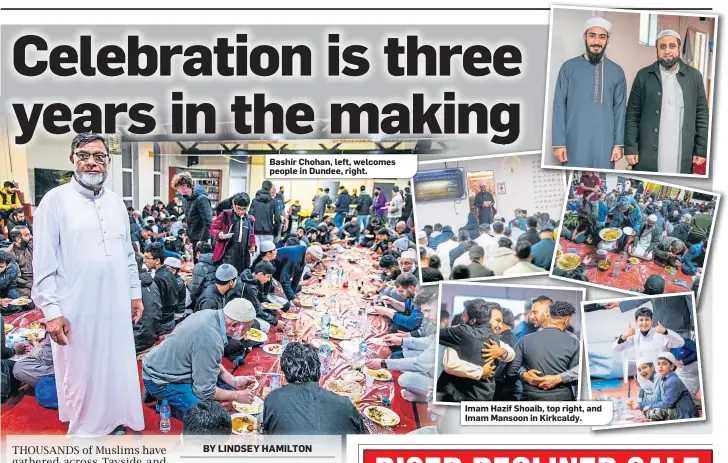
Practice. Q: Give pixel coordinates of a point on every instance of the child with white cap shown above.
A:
(673, 401)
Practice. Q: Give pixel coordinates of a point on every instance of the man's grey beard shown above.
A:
(669, 63)
(90, 180)
(594, 58)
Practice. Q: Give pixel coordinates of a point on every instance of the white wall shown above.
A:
(624, 49)
(519, 192)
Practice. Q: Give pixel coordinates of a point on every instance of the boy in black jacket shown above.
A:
(254, 292)
(166, 281)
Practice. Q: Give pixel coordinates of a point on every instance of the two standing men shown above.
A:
(662, 127)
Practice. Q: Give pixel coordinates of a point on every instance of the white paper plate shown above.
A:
(250, 417)
(249, 409)
(264, 336)
(388, 378)
(271, 349)
(391, 415)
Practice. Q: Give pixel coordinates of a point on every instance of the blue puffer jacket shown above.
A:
(9, 282)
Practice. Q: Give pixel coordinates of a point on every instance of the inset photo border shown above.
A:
(629, 56)
(444, 192)
(639, 269)
(608, 320)
(513, 300)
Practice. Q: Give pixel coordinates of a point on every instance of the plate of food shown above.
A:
(379, 375)
(610, 234)
(377, 341)
(634, 260)
(249, 409)
(568, 262)
(256, 335)
(291, 316)
(317, 342)
(274, 349)
(670, 270)
(8, 328)
(604, 265)
(308, 291)
(344, 388)
(271, 306)
(381, 415)
(243, 424)
(307, 304)
(353, 376)
(20, 301)
(337, 332)
(320, 274)
(170, 238)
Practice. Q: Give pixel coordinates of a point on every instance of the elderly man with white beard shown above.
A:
(87, 285)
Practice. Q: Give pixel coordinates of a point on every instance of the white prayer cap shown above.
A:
(421, 235)
(172, 262)
(666, 356)
(644, 359)
(652, 218)
(668, 33)
(598, 22)
(317, 252)
(267, 246)
(409, 254)
(240, 310)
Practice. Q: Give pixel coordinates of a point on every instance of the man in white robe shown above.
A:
(89, 291)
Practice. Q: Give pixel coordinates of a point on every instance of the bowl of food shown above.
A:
(256, 335)
(243, 424)
(634, 260)
(249, 409)
(604, 265)
(568, 262)
(610, 234)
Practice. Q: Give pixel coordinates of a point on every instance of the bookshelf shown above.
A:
(209, 179)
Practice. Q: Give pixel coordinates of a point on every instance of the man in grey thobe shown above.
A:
(589, 105)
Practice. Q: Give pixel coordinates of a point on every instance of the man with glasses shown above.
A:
(87, 285)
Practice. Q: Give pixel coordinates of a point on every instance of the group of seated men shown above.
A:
(523, 245)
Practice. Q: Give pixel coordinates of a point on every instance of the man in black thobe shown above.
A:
(485, 202)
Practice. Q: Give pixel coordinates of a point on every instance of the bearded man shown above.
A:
(589, 104)
(667, 113)
(87, 285)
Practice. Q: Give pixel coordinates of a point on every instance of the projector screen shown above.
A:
(440, 185)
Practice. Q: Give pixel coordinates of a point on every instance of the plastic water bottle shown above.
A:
(165, 412)
(284, 343)
(260, 425)
(325, 325)
(275, 382)
(340, 278)
(325, 357)
(615, 274)
(363, 351)
(316, 302)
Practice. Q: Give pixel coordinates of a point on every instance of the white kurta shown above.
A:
(648, 346)
(669, 148)
(85, 270)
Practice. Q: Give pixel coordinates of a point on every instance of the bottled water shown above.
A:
(325, 357)
(316, 302)
(325, 325)
(275, 382)
(340, 278)
(165, 411)
(261, 415)
(284, 343)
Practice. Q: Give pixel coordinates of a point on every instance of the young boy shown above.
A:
(673, 401)
(166, 281)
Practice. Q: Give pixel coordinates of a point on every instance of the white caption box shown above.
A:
(585, 413)
(327, 166)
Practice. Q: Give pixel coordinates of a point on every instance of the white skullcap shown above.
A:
(172, 262)
(409, 254)
(240, 310)
(668, 33)
(267, 246)
(652, 218)
(666, 356)
(644, 359)
(317, 252)
(598, 22)
(421, 235)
